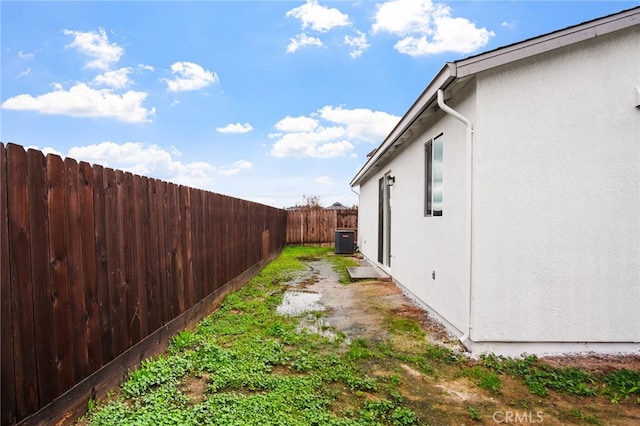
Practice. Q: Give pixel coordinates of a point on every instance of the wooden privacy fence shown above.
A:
(95, 261)
(317, 225)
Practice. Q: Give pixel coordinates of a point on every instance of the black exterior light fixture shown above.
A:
(391, 180)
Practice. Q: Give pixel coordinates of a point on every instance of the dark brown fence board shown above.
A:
(237, 252)
(251, 233)
(145, 246)
(221, 232)
(75, 277)
(128, 241)
(206, 242)
(163, 306)
(153, 259)
(230, 243)
(113, 265)
(122, 288)
(7, 375)
(218, 240)
(43, 309)
(123, 204)
(92, 311)
(140, 216)
(157, 224)
(132, 325)
(59, 273)
(216, 243)
(198, 241)
(178, 258)
(181, 263)
(102, 263)
(21, 284)
(171, 223)
(187, 246)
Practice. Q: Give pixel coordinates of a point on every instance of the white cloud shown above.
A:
(334, 149)
(117, 79)
(428, 28)
(23, 55)
(95, 45)
(236, 168)
(324, 180)
(296, 124)
(175, 103)
(307, 137)
(319, 18)
(84, 101)
(46, 150)
(402, 17)
(358, 44)
(146, 67)
(190, 76)
(154, 161)
(360, 123)
(303, 40)
(511, 25)
(322, 142)
(24, 73)
(235, 128)
(146, 160)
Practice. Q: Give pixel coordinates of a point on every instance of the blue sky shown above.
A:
(262, 100)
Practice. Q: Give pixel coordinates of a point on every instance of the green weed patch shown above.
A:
(540, 378)
(258, 368)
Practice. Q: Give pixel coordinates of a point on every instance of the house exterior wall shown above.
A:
(368, 219)
(556, 229)
(422, 245)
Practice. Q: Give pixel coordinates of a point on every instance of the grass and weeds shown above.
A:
(540, 378)
(256, 367)
(340, 264)
(247, 365)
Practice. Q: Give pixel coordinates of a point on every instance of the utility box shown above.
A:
(345, 241)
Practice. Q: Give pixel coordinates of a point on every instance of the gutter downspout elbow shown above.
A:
(446, 108)
(464, 339)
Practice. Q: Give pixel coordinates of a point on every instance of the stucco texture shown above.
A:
(556, 211)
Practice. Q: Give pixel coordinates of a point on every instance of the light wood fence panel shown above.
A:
(318, 226)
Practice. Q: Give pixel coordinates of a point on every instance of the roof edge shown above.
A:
(549, 41)
(447, 74)
(494, 58)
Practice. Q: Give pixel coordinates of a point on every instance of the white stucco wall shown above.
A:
(421, 245)
(368, 219)
(556, 230)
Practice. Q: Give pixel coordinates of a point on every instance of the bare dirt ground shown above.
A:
(362, 309)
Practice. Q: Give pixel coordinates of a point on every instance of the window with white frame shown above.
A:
(433, 152)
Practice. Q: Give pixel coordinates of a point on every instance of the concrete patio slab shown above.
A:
(367, 273)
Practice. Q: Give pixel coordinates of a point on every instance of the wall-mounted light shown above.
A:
(391, 180)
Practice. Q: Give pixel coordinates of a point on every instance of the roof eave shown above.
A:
(547, 42)
(428, 96)
(484, 61)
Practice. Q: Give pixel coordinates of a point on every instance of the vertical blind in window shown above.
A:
(433, 154)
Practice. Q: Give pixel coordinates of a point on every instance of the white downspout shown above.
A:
(468, 187)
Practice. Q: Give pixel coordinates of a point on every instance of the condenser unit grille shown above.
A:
(344, 241)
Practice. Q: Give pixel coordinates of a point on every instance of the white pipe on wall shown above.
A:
(468, 190)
